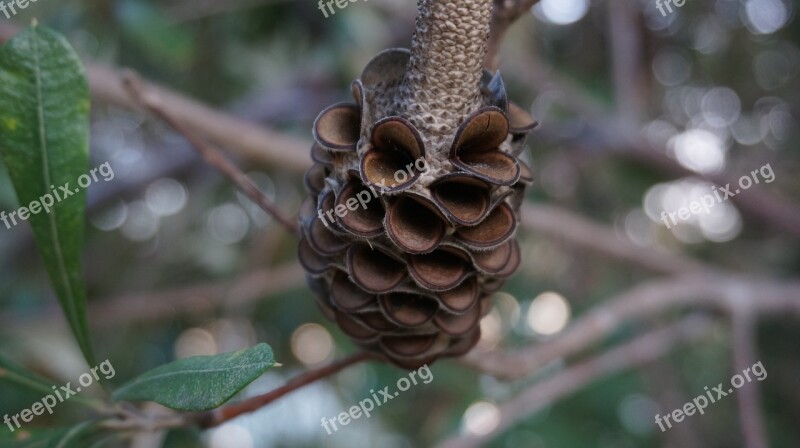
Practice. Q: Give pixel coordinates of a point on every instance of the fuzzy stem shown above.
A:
(442, 83)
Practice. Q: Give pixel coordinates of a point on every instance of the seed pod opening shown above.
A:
(498, 227)
(324, 241)
(413, 226)
(373, 270)
(462, 298)
(463, 197)
(347, 296)
(366, 220)
(458, 324)
(408, 346)
(513, 262)
(377, 321)
(312, 262)
(355, 329)
(392, 164)
(408, 310)
(520, 120)
(338, 127)
(315, 179)
(475, 148)
(495, 260)
(440, 270)
(321, 155)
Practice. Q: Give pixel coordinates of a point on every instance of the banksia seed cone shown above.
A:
(415, 192)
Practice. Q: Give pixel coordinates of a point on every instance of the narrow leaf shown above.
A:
(44, 140)
(199, 383)
(17, 377)
(71, 438)
(74, 437)
(20, 387)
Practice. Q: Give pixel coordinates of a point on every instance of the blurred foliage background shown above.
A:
(182, 258)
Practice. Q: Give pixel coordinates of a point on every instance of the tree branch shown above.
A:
(505, 13)
(132, 419)
(154, 103)
(642, 350)
(642, 301)
(166, 304)
(221, 415)
(745, 355)
(606, 134)
(626, 51)
(557, 223)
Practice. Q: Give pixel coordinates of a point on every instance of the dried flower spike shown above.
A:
(415, 192)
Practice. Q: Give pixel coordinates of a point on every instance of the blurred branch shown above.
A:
(745, 355)
(168, 304)
(626, 54)
(155, 104)
(644, 300)
(247, 140)
(607, 134)
(171, 303)
(505, 13)
(223, 414)
(644, 349)
(560, 224)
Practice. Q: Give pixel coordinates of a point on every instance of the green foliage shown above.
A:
(13, 376)
(20, 387)
(146, 26)
(199, 383)
(44, 117)
(69, 437)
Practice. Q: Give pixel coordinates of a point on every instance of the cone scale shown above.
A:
(415, 192)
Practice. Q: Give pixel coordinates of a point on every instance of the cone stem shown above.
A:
(442, 83)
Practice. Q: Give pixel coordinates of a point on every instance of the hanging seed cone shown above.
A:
(415, 192)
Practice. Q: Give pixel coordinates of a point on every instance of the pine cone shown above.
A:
(412, 212)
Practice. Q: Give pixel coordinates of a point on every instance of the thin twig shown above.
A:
(641, 301)
(571, 228)
(626, 51)
(644, 349)
(153, 103)
(132, 419)
(505, 13)
(198, 299)
(222, 415)
(245, 139)
(606, 135)
(745, 355)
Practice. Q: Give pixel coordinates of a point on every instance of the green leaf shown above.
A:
(71, 438)
(74, 437)
(17, 377)
(18, 384)
(199, 383)
(44, 140)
